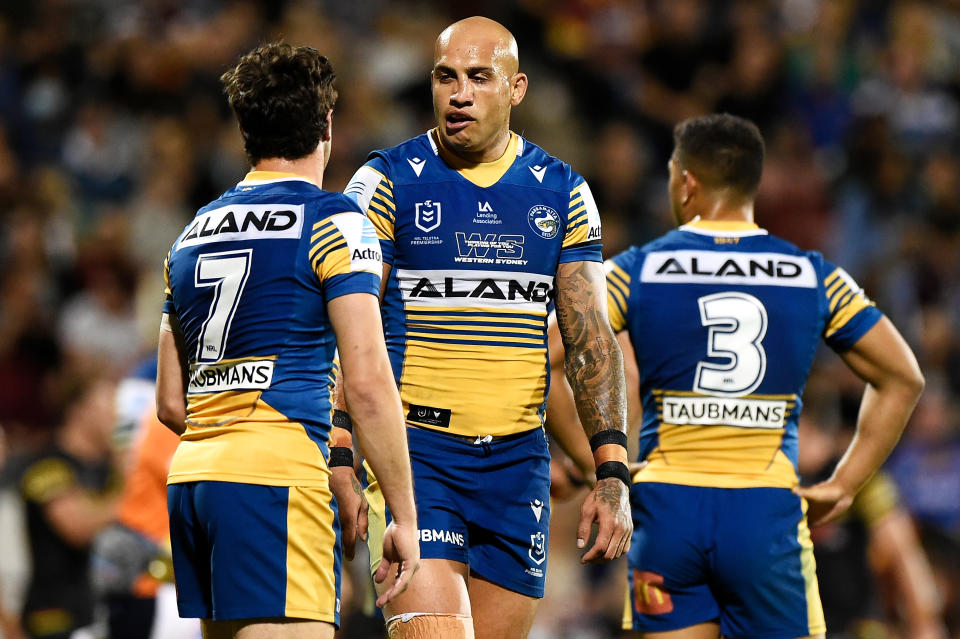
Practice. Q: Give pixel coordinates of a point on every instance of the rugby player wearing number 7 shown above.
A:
(262, 285)
(724, 320)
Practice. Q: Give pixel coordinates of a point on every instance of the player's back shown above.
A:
(248, 281)
(725, 321)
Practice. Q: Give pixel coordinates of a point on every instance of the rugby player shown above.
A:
(725, 320)
(480, 230)
(261, 287)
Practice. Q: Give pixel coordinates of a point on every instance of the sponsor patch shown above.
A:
(728, 267)
(362, 242)
(245, 222)
(230, 376)
(439, 417)
(717, 411)
(650, 596)
(442, 536)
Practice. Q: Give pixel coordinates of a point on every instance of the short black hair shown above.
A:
(281, 95)
(722, 150)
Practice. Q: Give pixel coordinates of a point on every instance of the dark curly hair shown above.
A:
(281, 95)
(722, 150)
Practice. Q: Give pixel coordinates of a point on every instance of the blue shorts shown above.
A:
(483, 504)
(244, 551)
(740, 555)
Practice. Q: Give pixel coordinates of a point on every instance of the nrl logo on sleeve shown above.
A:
(245, 222)
(427, 216)
(544, 220)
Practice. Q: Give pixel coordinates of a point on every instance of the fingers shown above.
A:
(349, 536)
(601, 545)
(362, 520)
(399, 585)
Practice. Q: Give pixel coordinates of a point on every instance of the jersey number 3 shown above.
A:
(737, 323)
(227, 272)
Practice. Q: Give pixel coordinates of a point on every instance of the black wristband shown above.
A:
(605, 437)
(341, 419)
(341, 456)
(614, 469)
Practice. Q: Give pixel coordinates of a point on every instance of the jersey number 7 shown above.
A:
(227, 272)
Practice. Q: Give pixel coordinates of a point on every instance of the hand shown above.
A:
(352, 507)
(607, 505)
(825, 501)
(400, 547)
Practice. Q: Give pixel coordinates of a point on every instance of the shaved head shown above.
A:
(475, 83)
(482, 35)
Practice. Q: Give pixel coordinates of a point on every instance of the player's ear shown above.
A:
(689, 186)
(329, 134)
(518, 88)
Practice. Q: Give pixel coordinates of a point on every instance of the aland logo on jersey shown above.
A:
(245, 222)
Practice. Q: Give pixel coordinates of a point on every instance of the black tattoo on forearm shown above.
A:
(593, 361)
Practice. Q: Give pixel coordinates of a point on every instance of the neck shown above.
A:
(492, 153)
(310, 167)
(724, 210)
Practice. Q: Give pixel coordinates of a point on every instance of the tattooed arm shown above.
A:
(594, 367)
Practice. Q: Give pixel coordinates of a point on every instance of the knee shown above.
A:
(428, 625)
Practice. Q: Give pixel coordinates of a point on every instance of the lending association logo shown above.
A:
(427, 215)
(544, 221)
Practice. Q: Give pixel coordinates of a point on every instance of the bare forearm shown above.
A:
(883, 415)
(379, 428)
(593, 361)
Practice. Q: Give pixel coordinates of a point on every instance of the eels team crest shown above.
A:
(544, 221)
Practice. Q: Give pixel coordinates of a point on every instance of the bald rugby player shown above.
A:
(480, 229)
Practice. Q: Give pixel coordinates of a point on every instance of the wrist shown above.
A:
(614, 470)
(341, 456)
(609, 446)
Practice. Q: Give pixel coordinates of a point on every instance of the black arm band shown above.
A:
(614, 469)
(341, 419)
(605, 437)
(341, 456)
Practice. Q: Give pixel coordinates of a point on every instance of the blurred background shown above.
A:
(114, 130)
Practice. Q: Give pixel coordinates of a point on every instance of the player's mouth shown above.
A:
(457, 121)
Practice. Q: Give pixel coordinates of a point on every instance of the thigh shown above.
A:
(509, 515)
(669, 572)
(272, 552)
(499, 613)
(764, 567)
(440, 586)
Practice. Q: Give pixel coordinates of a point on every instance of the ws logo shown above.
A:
(476, 248)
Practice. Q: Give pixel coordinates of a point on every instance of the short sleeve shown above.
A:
(372, 190)
(582, 239)
(850, 314)
(618, 270)
(345, 255)
(167, 292)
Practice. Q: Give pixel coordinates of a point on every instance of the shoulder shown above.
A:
(549, 170)
(415, 150)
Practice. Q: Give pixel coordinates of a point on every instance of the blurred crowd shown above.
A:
(114, 130)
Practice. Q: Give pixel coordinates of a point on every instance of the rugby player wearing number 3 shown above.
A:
(480, 230)
(725, 320)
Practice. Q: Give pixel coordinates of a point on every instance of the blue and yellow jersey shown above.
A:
(249, 279)
(725, 321)
(474, 251)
